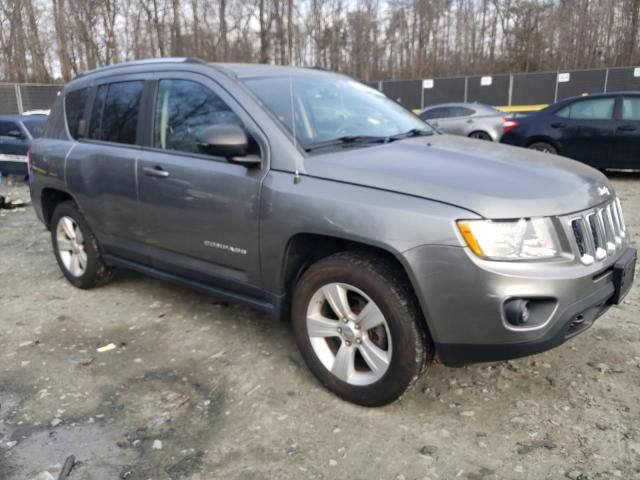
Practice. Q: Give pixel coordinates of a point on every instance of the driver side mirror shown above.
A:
(229, 141)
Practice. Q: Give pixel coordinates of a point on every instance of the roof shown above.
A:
(247, 70)
(22, 118)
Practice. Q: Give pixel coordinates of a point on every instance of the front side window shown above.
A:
(631, 108)
(74, 106)
(594, 109)
(8, 129)
(183, 109)
(328, 108)
(115, 112)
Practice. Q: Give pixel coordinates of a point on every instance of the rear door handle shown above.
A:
(558, 125)
(627, 128)
(156, 172)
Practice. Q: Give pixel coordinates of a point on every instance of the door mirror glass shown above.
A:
(228, 141)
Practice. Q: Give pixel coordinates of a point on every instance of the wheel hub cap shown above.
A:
(71, 249)
(349, 334)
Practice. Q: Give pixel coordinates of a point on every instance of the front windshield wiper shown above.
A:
(414, 132)
(346, 140)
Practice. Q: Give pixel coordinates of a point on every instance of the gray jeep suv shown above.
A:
(308, 195)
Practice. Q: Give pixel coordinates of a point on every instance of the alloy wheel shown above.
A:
(70, 243)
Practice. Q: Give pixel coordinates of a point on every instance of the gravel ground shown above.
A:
(197, 389)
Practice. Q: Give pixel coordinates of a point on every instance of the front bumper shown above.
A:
(463, 297)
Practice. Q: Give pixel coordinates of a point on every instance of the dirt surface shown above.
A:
(196, 389)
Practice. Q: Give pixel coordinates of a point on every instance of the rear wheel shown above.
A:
(544, 147)
(480, 135)
(76, 248)
(359, 328)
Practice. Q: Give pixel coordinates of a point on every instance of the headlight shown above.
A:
(522, 239)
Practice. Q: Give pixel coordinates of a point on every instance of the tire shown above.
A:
(88, 270)
(544, 147)
(480, 135)
(376, 290)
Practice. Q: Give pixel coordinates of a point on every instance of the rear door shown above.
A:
(585, 130)
(199, 213)
(626, 152)
(101, 166)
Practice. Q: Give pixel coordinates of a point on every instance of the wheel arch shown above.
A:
(50, 198)
(305, 249)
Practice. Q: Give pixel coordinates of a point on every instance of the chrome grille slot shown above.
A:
(598, 232)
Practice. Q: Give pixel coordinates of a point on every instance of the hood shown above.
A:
(492, 180)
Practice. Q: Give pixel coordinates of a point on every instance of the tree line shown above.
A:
(48, 41)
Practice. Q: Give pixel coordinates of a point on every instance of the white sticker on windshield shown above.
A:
(486, 81)
(564, 77)
(636, 72)
(428, 83)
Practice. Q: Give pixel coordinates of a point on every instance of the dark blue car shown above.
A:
(601, 130)
(17, 132)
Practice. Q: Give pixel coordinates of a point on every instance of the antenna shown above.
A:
(296, 177)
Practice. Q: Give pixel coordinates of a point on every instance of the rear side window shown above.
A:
(114, 117)
(441, 112)
(74, 106)
(8, 127)
(461, 112)
(183, 109)
(631, 108)
(594, 109)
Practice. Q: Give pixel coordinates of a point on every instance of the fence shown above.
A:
(19, 98)
(518, 92)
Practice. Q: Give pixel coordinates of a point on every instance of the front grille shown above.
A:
(599, 232)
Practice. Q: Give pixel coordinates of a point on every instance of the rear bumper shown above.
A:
(463, 300)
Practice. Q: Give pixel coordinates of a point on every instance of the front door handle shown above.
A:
(558, 125)
(156, 172)
(627, 128)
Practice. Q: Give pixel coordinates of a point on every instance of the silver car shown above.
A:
(473, 120)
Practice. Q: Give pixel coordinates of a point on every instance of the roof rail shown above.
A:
(145, 61)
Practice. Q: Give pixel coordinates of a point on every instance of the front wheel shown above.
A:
(544, 147)
(359, 328)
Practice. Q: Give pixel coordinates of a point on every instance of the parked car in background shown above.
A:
(601, 130)
(474, 120)
(315, 198)
(17, 133)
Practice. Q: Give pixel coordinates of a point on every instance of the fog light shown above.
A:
(516, 311)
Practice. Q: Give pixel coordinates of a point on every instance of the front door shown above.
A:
(626, 152)
(585, 130)
(199, 213)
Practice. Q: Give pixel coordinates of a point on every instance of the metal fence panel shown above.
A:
(8, 100)
(489, 89)
(405, 92)
(533, 88)
(580, 82)
(38, 97)
(447, 89)
(623, 79)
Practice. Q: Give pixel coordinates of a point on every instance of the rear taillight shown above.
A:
(29, 161)
(509, 124)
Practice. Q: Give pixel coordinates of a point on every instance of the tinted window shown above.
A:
(6, 127)
(35, 126)
(460, 112)
(74, 104)
(183, 109)
(595, 109)
(631, 108)
(115, 112)
(441, 112)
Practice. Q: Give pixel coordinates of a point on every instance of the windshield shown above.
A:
(35, 126)
(332, 108)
